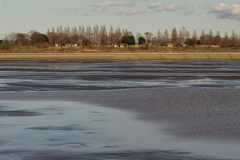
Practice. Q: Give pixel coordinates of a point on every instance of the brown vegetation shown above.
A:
(98, 38)
(45, 48)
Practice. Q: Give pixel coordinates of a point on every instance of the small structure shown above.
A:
(56, 45)
(183, 45)
(170, 45)
(70, 45)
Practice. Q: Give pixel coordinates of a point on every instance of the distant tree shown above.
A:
(218, 38)
(83, 34)
(37, 37)
(211, 37)
(138, 35)
(96, 34)
(9, 40)
(103, 35)
(233, 39)
(148, 36)
(21, 38)
(174, 36)
(111, 36)
(192, 42)
(86, 42)
(181, 36)
(88, 33)
(166, 36)
(159, 36)
(203, 38)
(189, 42)
(128, 40)
(194, 38)
(154, 39)
(184, 33)
(141, 40)
(187, 34)
(74, 35)
(226, 40)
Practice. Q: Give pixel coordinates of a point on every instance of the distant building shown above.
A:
(70, 45)
(170, 45)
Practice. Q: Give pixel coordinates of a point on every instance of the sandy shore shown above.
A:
(116, 56)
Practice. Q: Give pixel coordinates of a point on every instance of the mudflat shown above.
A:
(113, 109)
(117, 56)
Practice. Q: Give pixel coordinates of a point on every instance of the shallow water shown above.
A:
(84, 130)
(108, 75)
(194, 106)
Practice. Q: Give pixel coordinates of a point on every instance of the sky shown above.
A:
(142, 16)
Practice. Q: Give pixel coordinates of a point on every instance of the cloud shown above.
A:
(174, 7)
(157, 10)
(110, 3)
(103, 10)
(85, 14)
(155, 5)
(224, 11)
(77, 9)
(186, 12)
(133, 12)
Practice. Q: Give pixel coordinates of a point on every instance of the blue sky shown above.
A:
(135, 15)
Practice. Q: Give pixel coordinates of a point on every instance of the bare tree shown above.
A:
(74, 35)
(226, 40)
(103, 35)
(210, 37)
(159, 36)
(166, 36)
(181, 36)
(96, 34)
(194, 37)
(111, 35)
(203, 38)
(138, 35)
(184, 34)
(148, 36)
(218, 38)
(61, 35)
(187, 34)
(21, 38)
(83, 33)
(174, 36)
(234, 39)
(118, 36)
(11, 37)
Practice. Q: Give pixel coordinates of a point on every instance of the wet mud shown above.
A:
(194, 108)
(111, 75)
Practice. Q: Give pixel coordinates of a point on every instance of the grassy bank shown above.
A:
(116, 56)
(158, 49)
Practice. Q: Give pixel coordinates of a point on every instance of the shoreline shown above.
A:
(119, 56)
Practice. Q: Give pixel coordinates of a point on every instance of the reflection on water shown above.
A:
(106, 75)
(79, 128)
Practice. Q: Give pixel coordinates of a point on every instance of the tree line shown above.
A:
(99, 35)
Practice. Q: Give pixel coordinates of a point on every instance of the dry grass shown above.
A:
(44, 48)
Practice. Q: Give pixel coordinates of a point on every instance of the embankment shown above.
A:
(117, 56)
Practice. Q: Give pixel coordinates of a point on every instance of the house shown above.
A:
(70, 45)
